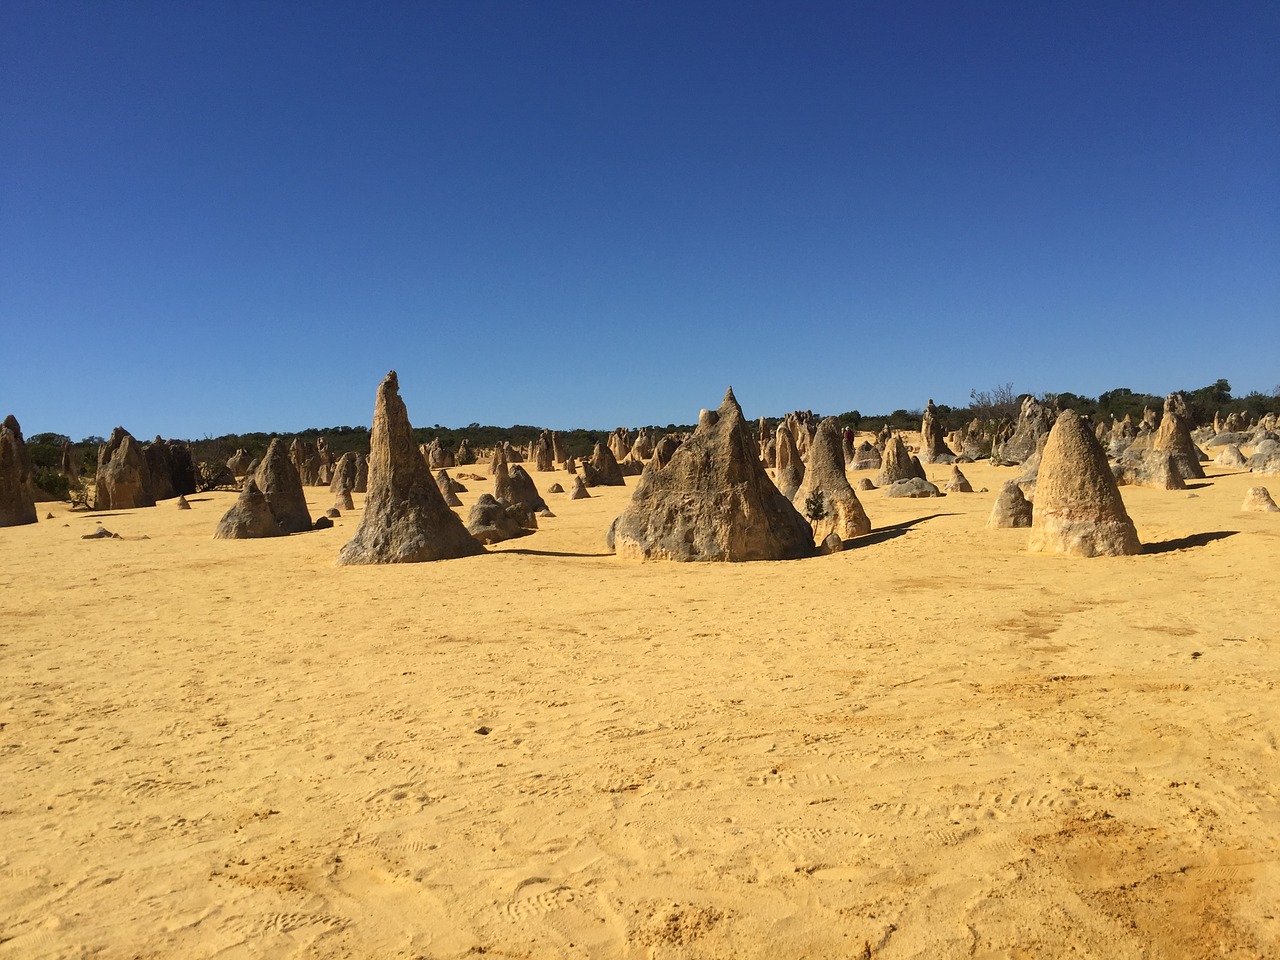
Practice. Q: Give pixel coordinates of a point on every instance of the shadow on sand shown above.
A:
(891, 532)
(1184, 543)
(552, 553)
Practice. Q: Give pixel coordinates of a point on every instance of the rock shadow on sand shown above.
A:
(1186, 543)
(890, 532)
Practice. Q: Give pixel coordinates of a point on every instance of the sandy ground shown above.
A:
(931, 745)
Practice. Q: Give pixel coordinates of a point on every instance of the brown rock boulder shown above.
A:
(1011, 509)
(405, 518)
(895, 463)
(789, 472)
(1258, 500)
(933, 438)
(1173, 436)
(1078, 508)
(602, 470)
(1034, 421)
(712, 501)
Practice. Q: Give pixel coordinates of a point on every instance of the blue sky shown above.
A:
(223, 217)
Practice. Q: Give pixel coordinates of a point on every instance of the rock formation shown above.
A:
(1078, 508)
(602, 469)
(933, 438)
(663, 450)
(789, 473)
(405, 518)
(344, 474)
(1174, 437)
(279, 482)
(240, 463)
(544, 453)
(492, 522)
(1034, 421)
(866, 456)
(17, 505)
(825, 496)
(712, 501)
(578, 490)
(1232, 458)
(1154, 468)
(1258, 500)
(958, 483)
(250, 517)
(123, 480)
(896, 463)
(1011, 508)
(914, 487)
(1266, 458)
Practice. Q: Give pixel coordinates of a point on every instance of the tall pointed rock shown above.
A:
(405, 517)
(1078, 508)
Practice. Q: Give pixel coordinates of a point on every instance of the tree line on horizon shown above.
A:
(996, 403)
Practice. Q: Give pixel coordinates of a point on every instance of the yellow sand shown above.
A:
(931, 745)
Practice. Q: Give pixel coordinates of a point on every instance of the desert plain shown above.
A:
(931, 744)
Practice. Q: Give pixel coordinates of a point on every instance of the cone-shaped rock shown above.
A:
(492, 522)
(578, 490)
(602, 470)
(278, 479)
(123, 480)
(344, 473)
(712, 501)
(249, 518)
(958, 483)
(1232, 457)
(17, 506)
(826, 490)
(405, 518)
(1174, 437)
(240, 463)
(895, 463)
(1078, 508)
(1258, 500)
(1011, 508)
(866, 456)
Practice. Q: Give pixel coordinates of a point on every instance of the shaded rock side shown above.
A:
(713, 501)
(1011, 508)
(604, 469)
(1078, 508)
(405, 518)
(895, 462)
(826, 490)
(123, 480)
(933, 438)
(17, 505)
(249, 518)
(278, 479)
(1034, 421)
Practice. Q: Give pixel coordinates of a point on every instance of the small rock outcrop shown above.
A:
(1258, 500)
(1078, 508)
(578, 490)
(1231, 457)
(1266, 458)
(825, 496)
(240, 463)
(958, 483)
(866, 456)
(278, 479)
(602, 470)
(405, 518)
(249, 518)
(1153, 468)
(713, 501)
(492, 522)
(914, 487)
(344, 473)
(1011, 508)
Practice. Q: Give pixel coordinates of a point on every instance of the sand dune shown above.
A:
(931, 745)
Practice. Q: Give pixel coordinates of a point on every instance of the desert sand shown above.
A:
(933, 744)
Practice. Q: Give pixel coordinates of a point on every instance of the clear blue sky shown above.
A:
(221, 217)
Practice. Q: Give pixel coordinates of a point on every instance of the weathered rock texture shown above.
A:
(826, 490)
(123, 480)
(405, 518)
(914, 487)
(492, 522)
(1258, 500)
(17, 505)
(344, 474)
(958, 483)
(1173, 436)
(933, 438)
(790, 468)
(712, 501)
(896, 463)
(602, 469)
(279, 482)
(1078, 508)
(249, 518)
(1034, 421)
(1011, 508)
(866, 456)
